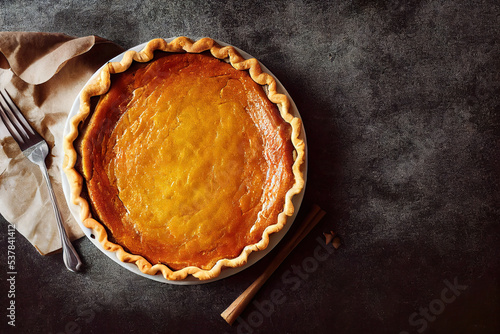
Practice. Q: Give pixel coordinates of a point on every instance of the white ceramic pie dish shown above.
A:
(253, 257)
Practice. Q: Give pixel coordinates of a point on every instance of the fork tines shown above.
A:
(15, 122)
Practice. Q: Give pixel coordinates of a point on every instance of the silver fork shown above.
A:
(36, 149)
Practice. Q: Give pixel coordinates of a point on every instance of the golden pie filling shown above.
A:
(186, 161)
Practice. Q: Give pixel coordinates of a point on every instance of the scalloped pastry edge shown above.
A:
(101, 84)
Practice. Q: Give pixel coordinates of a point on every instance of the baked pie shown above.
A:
(184, 158)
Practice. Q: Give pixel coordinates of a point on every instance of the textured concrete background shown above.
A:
(400, 101)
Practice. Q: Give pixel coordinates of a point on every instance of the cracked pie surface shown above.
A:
(187, 161)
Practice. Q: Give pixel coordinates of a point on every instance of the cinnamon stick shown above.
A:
(236, 308)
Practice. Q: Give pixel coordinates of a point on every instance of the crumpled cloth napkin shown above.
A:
(43, 73)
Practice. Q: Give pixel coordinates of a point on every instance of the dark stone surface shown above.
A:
(400, 101)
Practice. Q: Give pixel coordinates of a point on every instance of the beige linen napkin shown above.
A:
(43, 72)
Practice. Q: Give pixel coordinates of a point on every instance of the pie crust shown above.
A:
(257, 149)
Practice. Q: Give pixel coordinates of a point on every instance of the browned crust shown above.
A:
(101, 84)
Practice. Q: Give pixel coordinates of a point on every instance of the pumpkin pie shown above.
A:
(184, 158)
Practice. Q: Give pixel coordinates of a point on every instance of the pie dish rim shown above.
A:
(251, 257)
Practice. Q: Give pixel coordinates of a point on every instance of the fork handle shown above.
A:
(70, 256)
